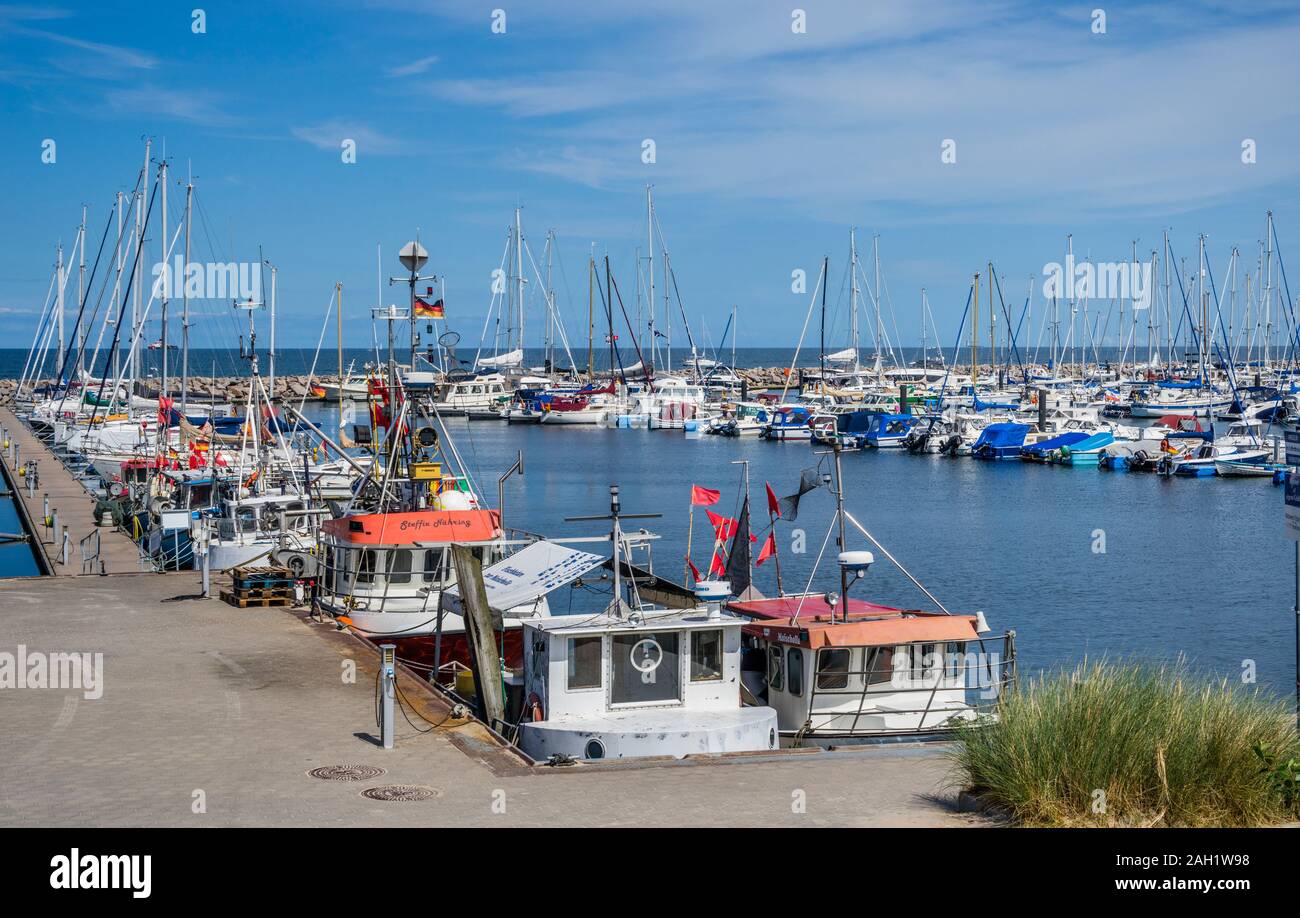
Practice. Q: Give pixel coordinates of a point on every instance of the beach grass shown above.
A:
(1128, 744)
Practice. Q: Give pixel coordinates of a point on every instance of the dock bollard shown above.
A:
(53, 519)
(64, 552)
(388, 685)
(45, 512)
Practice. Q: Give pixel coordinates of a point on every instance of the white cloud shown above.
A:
(414, 67)
(330, 134)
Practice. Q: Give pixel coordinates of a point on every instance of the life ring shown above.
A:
(535, 708)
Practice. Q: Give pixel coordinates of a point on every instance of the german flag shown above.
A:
(426, 310)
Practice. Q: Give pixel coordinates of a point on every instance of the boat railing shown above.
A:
(982, 671)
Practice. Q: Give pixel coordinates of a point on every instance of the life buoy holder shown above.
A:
(535, 708)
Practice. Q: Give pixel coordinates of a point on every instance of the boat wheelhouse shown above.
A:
(838, 675)
(629, 683)
(476, 392)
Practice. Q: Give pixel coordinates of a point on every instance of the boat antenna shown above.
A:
(615, 515)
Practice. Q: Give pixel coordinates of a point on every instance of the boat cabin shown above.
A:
(838, 676)
(631, 683)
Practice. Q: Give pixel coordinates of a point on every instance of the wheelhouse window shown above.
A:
(955, 667)
(794, 670)
(775, 677)
(706, 656)
(882, 665)
(399, 566)
(922, 659)
(584, 662)
(432, 564)
(645, 667)
(833, 668)
(366, 566)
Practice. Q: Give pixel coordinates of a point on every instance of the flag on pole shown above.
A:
(723, 526)
(768, 549)
(773, 505)
(717, 565)
(695, 571)
(704, 497)
(426, 310)
(737, 570)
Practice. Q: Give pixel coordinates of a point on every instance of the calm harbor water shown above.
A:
(1191, 567)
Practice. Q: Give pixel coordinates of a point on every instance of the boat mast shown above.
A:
(338, 292)
(853, 294)
(270, 355)
(591, 284)
(81, 293)
(1268, 290)
(519, 272)
(58, 267)
(650, 265)
(822, 359)
(185, 308)
(162, 337)
(975, 337)
(880, 326)
(117, 289)
(137, 286)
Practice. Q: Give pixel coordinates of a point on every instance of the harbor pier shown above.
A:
(207, 715)
(91, 549)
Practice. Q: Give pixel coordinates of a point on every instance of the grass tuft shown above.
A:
(1127, 744)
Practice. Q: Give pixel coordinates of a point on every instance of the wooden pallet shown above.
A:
(247, 602)
(247, 578)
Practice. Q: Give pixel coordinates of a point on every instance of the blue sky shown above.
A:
(769, 144)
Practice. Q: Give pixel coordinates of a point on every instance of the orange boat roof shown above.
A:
(416, 526)
(867, 632)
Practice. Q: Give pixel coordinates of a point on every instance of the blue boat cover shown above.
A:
(1043, 447)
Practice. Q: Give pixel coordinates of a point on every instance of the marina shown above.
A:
(439, 418)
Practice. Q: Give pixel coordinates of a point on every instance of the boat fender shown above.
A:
(535, 712)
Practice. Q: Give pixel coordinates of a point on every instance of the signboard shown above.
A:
(1293, 507)
(536, 570)
(1292, 447)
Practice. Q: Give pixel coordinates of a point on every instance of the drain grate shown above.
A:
(346, 772)
(400, 793)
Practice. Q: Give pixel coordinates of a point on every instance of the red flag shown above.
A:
(768, 549)
(695, 571)
(723, 526)
(718, 565)
(773, 506)
(704, 497)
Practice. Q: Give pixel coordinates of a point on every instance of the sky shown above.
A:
(770, 142)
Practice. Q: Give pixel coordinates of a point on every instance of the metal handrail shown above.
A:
(88, 558)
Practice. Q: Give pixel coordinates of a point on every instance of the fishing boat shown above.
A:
(459, 396)
(638, 679)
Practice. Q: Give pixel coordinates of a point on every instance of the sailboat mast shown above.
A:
(853, 294)
(822, 360)
(591, 285)
(185, 303)
(117, 287)
(880, 325)
(162, 178)
(338, 292)
(975, 337)
(519, 272)
(81, 292)
(650, 265)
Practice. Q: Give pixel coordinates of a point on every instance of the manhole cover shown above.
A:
(346, 772)
(400, 793)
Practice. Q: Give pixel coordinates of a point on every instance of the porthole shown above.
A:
(595, 749)
(771, 738)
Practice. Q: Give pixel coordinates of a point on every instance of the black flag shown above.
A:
(737, 572)
(808, 481)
